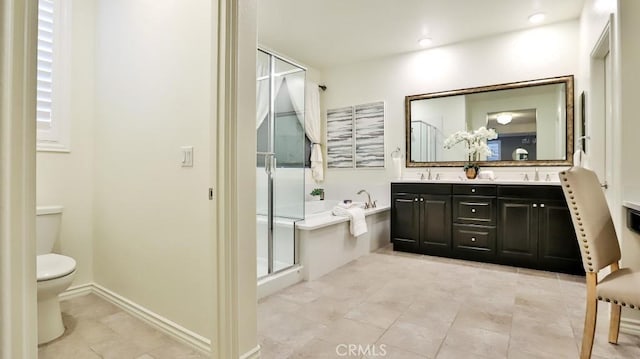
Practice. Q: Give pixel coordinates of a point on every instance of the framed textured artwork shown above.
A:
(369, 135)
(340, 138)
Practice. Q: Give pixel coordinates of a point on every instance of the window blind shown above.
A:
(45, 63)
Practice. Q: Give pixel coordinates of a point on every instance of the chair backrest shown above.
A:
(592, 222)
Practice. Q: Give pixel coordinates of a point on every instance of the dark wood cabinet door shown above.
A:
(557, 245)
(435, 224)
(405, 221)
(517, 232)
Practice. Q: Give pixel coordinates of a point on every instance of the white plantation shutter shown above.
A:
(45, 64)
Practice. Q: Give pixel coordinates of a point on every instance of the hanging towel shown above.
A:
(580, 159)
(355, 212)
(397, 167)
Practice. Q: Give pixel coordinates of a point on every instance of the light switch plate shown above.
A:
(186, 156)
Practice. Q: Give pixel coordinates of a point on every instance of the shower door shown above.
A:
(280, 161)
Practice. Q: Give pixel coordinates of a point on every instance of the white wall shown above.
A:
(151, 216)
(66, 178)
(524, 55)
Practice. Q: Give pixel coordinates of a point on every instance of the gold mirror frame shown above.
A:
(569, 100)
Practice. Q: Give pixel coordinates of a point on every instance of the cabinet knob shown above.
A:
(415, 200)
(473, 190)
(542, 205)
(473, 210)
(535, 205)
(473, 239)
(421, 199)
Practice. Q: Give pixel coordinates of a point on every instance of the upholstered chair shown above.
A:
(599, 248)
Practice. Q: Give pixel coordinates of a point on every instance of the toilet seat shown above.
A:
(51, 266)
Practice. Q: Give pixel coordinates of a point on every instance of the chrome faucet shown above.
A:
(369, 203)
(429, 174)
(536, 176)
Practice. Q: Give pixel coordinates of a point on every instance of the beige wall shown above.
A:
(629, 28)
(151, 216)
(66, 178)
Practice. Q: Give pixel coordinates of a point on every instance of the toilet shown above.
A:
(55, 273)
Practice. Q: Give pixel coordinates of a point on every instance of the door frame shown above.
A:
(18, 293)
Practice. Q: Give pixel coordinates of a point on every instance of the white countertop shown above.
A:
(324, 220)
(479, 181)
(632, 205)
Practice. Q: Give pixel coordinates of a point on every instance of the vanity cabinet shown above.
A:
(526, 226)
(421, 221)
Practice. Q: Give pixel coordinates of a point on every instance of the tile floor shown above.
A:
(395, 305)
(98, 329)
(412, 306)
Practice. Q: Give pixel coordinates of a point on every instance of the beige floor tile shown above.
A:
(347, 331)
(414, 338)
(175, 351)
(289, 329)
(483, 317)
(117, 349)
(324, 310)
(375, 314)
(98, 329)
(391, 352)
(480, 342)
(319, 349)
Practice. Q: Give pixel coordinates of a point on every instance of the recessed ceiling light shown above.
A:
(537, 18)
(425, 41)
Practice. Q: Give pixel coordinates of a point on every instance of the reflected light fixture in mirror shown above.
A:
(425, 41)
(504, 118)
(537, 18)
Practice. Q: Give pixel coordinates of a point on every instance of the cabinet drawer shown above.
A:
(474, 238)
(474, 210)
(475, 190)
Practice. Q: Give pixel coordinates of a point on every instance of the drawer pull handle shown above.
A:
(473, 239)
(473, 210)
(473, 190)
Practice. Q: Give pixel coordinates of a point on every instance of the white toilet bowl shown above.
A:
(55, 273)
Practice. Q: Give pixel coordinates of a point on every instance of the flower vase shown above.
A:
(471, 170)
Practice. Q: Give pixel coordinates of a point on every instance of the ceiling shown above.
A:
(326, 33)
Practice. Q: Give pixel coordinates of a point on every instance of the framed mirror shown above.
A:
(533, 121)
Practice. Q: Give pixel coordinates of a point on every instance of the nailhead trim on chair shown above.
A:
(585, 245)
(632, 306)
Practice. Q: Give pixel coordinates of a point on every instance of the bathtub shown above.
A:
(323, 243)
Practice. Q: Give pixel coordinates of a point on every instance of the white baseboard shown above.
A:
(252, 354)
(630, 326)
(157, 321)
(76, 291)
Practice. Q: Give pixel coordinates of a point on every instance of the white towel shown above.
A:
(580, 159)
(397, 167)
(355, 213)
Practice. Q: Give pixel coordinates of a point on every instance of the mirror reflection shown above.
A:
(533, 121)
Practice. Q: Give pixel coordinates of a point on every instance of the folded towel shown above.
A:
(358, 224)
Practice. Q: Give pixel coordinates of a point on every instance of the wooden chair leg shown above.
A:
(590, 317)
(614, 324)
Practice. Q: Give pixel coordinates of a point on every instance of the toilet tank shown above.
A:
(48, 220)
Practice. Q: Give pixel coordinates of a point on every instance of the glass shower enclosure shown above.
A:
(280, 161)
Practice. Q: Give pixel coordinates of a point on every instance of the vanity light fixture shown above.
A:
(504, 118)
(425, 41)
(537, 18)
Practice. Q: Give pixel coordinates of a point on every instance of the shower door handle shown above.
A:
(269, 163)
